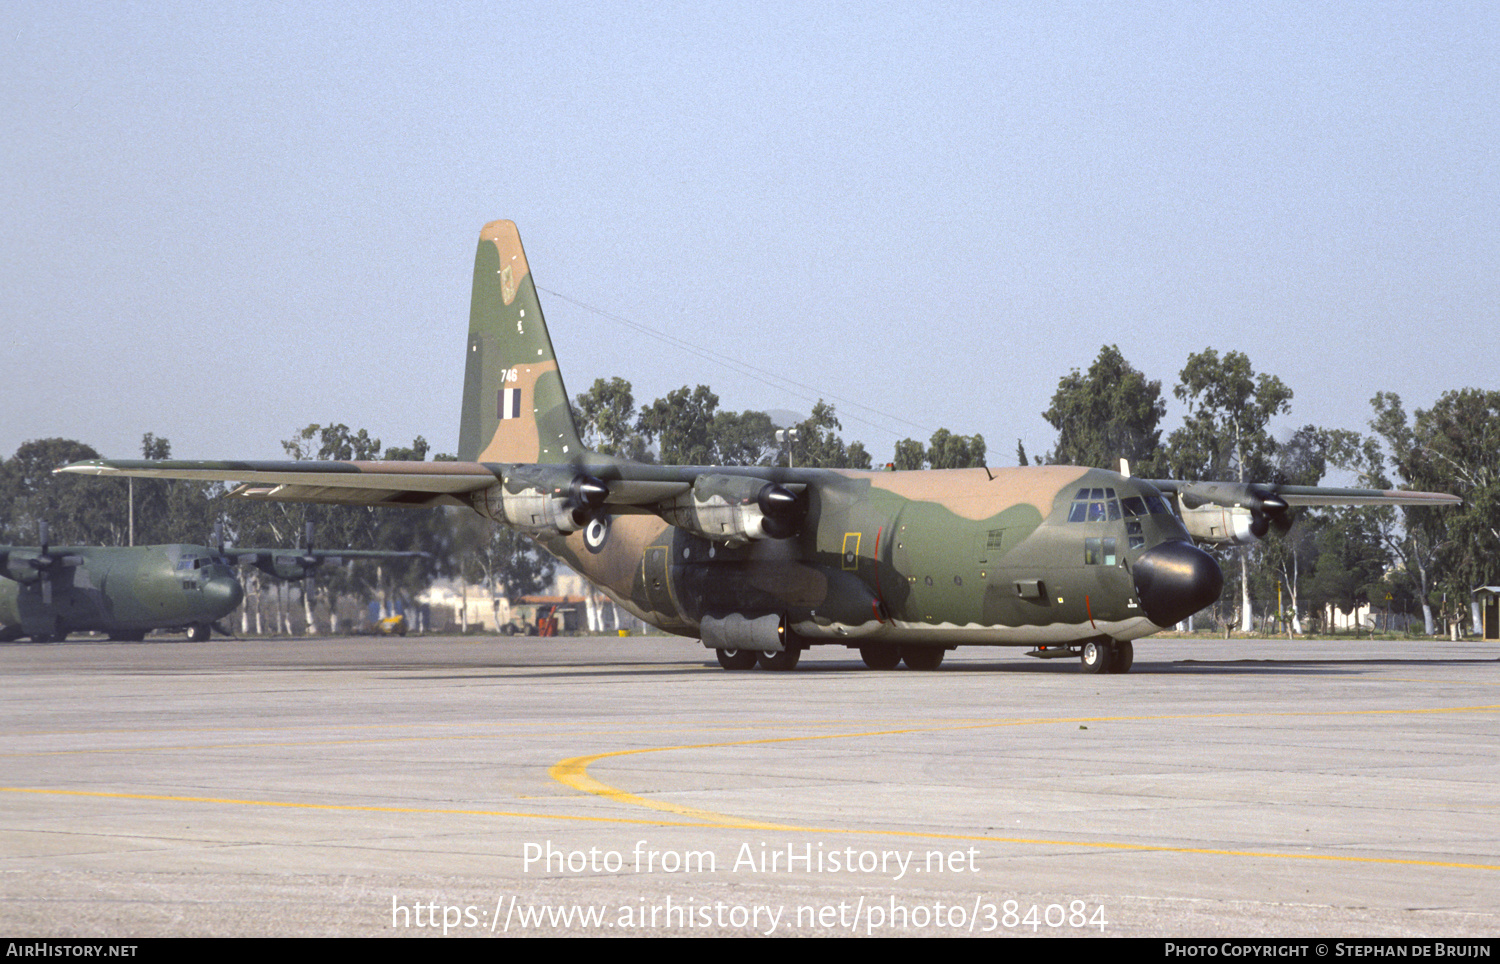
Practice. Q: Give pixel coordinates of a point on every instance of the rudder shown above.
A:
(515, 408)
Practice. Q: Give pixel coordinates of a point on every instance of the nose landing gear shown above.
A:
(1106, 656)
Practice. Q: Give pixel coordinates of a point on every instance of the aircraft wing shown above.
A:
(1244, 512)
(338, 483)
(1255, 495)
(531, 496)
(249, 557)
(300, 563)
(1317, 495)
(408, 483)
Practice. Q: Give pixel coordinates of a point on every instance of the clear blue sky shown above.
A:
(225, 221)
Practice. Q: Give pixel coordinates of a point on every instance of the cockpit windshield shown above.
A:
(1101, 505)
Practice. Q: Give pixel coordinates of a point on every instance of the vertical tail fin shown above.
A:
(515, 406)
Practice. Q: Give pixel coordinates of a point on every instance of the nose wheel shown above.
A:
(1106, 656)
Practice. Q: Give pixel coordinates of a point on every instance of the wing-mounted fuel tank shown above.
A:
(542, 498)
(736, 509)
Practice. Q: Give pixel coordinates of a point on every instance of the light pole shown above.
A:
(787, 436)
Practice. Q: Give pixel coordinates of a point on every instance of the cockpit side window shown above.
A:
(1101, 552)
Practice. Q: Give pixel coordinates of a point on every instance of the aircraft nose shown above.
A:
(225, 592)
(1175, 580)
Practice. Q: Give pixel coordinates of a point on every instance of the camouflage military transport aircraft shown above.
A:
(760, 563)
(48, 592)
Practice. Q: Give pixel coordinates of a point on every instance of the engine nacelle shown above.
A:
(541, 499)
(1222, 525)
(531, 510)
(18, 566)
(1232, 512)
(287, 566)
(28, 567)
(735, 509)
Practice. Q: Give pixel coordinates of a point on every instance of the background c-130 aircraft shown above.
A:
(762, 562)
(48, 592)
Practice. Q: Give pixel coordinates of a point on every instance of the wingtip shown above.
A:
(92, 467)
(1415, 497)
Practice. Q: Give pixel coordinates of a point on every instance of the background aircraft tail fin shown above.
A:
(515, 407)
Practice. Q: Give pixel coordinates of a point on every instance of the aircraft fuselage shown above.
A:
(1006, 557)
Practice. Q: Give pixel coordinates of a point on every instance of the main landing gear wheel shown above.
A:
(880, 655)
(737, 658)
(1096, 656)
(1124, 657)
(924, 658)
(782, 661)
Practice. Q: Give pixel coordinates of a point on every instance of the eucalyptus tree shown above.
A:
(1225, 434)
(1452, 447)
(817, 444)
(75, 514)
(945, 450)
(1111, 412)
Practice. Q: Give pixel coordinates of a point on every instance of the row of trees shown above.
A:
(1407, 559)
(687, 427)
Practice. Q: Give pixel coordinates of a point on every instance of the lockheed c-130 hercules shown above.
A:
(47, 592)
(762, 562)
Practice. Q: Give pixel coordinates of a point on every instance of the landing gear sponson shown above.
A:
(1094, 656)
